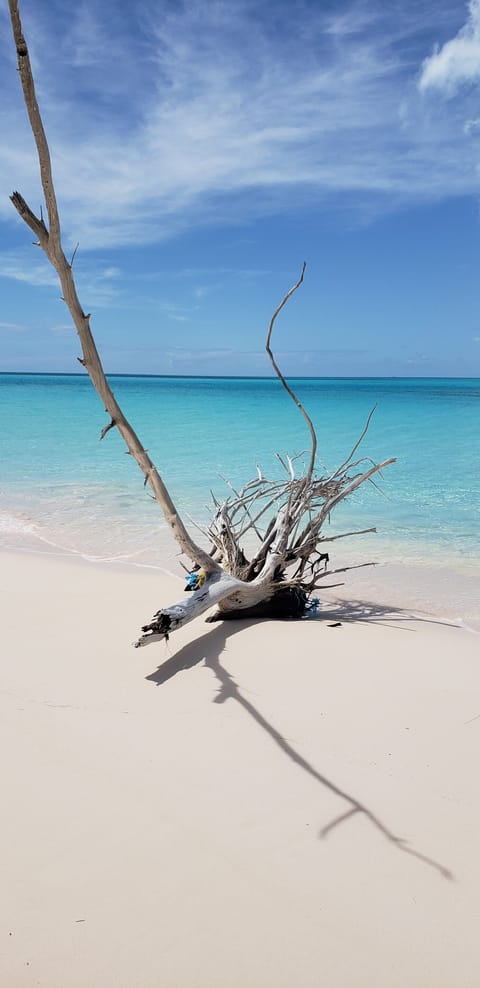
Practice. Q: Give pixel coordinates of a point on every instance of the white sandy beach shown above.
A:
(225, 811)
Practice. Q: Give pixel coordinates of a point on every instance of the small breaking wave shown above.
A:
(15, 524)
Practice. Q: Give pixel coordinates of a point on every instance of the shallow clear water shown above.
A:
(60, 486)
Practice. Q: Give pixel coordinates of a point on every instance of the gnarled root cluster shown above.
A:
(268, 539)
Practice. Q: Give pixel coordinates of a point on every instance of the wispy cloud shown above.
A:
(173, 311)
(13, 327)
(179, 357)
(61, 329)
(210, 112)
(17, 266)
(100, 284)
(458, 61)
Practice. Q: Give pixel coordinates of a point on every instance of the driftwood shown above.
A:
(266, 540)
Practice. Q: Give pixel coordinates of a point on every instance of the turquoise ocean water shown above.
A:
(62, 489)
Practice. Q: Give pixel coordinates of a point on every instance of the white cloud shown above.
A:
(219, 114)
(472, 126)
(13, 327)
(16, 265)
(100, 286)
(172, 311)
(111, 272)
(62, 329)
(458, 61)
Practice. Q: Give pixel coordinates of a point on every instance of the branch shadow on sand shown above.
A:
(208, 649)
(359, 611)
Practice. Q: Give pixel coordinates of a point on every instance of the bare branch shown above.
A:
(35, 224)
(73, 255)
(106, 428)
(279, 374)
(51, 242)
(357, 444)
(36, 123)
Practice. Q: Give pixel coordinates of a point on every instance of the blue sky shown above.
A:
(202, 151)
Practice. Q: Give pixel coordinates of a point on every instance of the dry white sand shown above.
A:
(225, 811)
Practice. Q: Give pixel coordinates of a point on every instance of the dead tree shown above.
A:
(266, 540)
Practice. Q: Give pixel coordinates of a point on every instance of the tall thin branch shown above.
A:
(50, 241)
(287, 387)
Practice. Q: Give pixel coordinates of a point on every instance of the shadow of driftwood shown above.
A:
(208, 648)
(355, 611)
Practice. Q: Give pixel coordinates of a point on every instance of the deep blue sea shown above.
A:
(62, 488)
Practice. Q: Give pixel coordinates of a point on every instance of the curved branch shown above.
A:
(287, 387)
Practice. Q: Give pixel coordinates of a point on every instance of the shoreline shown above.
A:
(441, 589)
(263, 792)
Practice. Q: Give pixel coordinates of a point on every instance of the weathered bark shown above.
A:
(285, 519)
(219, 588)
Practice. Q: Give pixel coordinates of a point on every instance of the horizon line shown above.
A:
(249, 377)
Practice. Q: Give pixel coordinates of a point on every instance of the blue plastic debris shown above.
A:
(195, 580)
